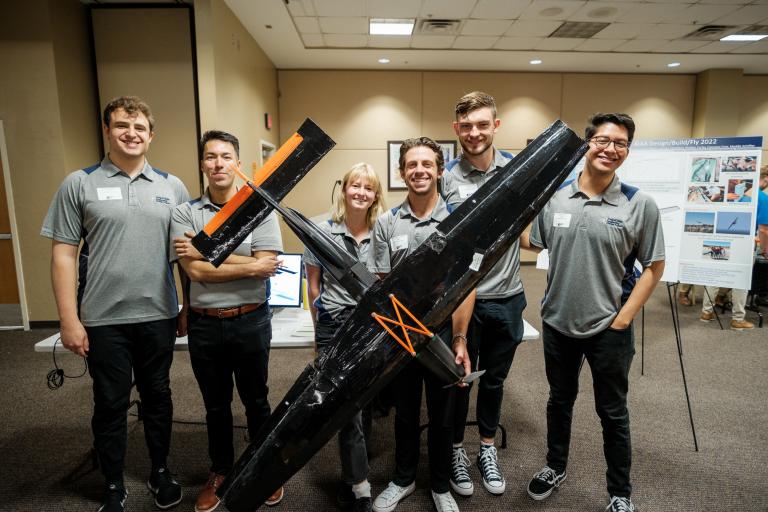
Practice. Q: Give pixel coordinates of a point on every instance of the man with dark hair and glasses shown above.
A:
(595, 227)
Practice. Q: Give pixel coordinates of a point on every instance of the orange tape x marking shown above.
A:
(421, 329)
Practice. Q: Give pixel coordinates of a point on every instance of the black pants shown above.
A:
(119, 354)
(440, 411)
(494, 334)
(609, 355)
(220, 349)
(353, 452)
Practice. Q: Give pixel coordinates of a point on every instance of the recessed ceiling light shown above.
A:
(743, 37)
(390, 27)
(383, 60)
(536, 61)
(673, 64)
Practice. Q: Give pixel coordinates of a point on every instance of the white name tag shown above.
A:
(561, 220)
(398, 243)
(467, 190)
(477, 260)
(109, 193)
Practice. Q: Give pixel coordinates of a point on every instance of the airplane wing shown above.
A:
(246, 209)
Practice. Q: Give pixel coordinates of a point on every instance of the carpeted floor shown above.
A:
(45, 435)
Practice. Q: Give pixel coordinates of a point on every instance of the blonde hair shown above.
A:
(365, 172)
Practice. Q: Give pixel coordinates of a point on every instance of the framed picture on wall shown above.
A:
(394, 182)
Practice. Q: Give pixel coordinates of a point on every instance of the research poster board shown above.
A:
(706, 192)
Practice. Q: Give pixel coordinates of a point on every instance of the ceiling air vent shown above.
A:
(754, 29)
(710, 32)
(437, 27)
(581, 29)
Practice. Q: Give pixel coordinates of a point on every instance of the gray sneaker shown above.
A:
(444, 502)
(391, 496)
(461, 483)
(619, 504)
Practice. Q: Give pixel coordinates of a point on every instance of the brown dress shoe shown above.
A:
(707, 316)
(740, 325)
(683, 299)
(276, 497)
(207, 499)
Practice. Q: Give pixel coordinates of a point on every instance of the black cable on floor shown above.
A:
(56, 376)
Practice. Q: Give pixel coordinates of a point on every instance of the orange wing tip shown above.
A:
(277, 159)
(225, 213)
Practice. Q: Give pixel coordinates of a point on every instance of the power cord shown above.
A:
(56, 376)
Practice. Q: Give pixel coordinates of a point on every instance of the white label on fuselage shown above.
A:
(561, 220)
(467, 190)
(399, 243)
(109, 193)
(477, 260)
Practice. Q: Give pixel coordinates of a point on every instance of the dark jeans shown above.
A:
(219, 349)
(494, 334)
(352, 446)
(118, 355)
(609, 355)
(440, 411)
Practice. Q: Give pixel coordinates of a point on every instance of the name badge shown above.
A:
(109, 193)
(398, 243)
(561, 220)
(467, 190)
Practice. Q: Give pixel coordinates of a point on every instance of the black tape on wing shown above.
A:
(314, 146)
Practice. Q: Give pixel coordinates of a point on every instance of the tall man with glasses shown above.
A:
(497, 322)
(595, 227)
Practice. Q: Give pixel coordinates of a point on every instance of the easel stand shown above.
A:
(672, 293)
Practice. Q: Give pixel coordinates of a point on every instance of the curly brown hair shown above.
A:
(421, 141)
(131, 105)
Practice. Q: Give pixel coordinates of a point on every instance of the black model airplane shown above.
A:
(428, 286)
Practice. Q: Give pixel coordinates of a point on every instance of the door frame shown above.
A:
(14, 228)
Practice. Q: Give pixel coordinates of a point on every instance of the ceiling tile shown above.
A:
(718, 47)
(517, 43)
(651, 13)
(301, 8)
(601, 11)
(393, 9)
(701, 14)
(553, 10)
(474, 42)
(419, 41)
(339, 7)
(446, 9)
(725, 2)
(599, 45)
(559, 44)
(621, 31)
(389, 41)
(639, 45)
(665, 31)
(313, 40)
(344, 25)
(756, 47)
(346, 40)
(485, 27)
(532, 28)
(748, 15)
(307, 25)
(680, 46)
(499, 9)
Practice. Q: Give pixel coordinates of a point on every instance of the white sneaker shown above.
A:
(391, 496)
(461, 483)
(619, 504)
(444, 502)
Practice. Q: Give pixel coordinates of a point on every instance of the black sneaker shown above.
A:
(345, 498)
(460, 481)
(488, 464)
(544, 482)
(362, 504)
(620, 504)
(166, 489)
(114, 499)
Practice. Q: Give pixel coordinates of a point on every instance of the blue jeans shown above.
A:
(609, 355)
(494, 334)
(218, 350)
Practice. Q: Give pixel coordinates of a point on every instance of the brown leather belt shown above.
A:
(227, 312)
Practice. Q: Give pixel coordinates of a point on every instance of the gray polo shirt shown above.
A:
(460, 180)
(124, 222)
(593, 244)
(333, 297)
(398, 233)
(193, 216)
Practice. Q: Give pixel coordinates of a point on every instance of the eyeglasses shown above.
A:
(604, 142)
